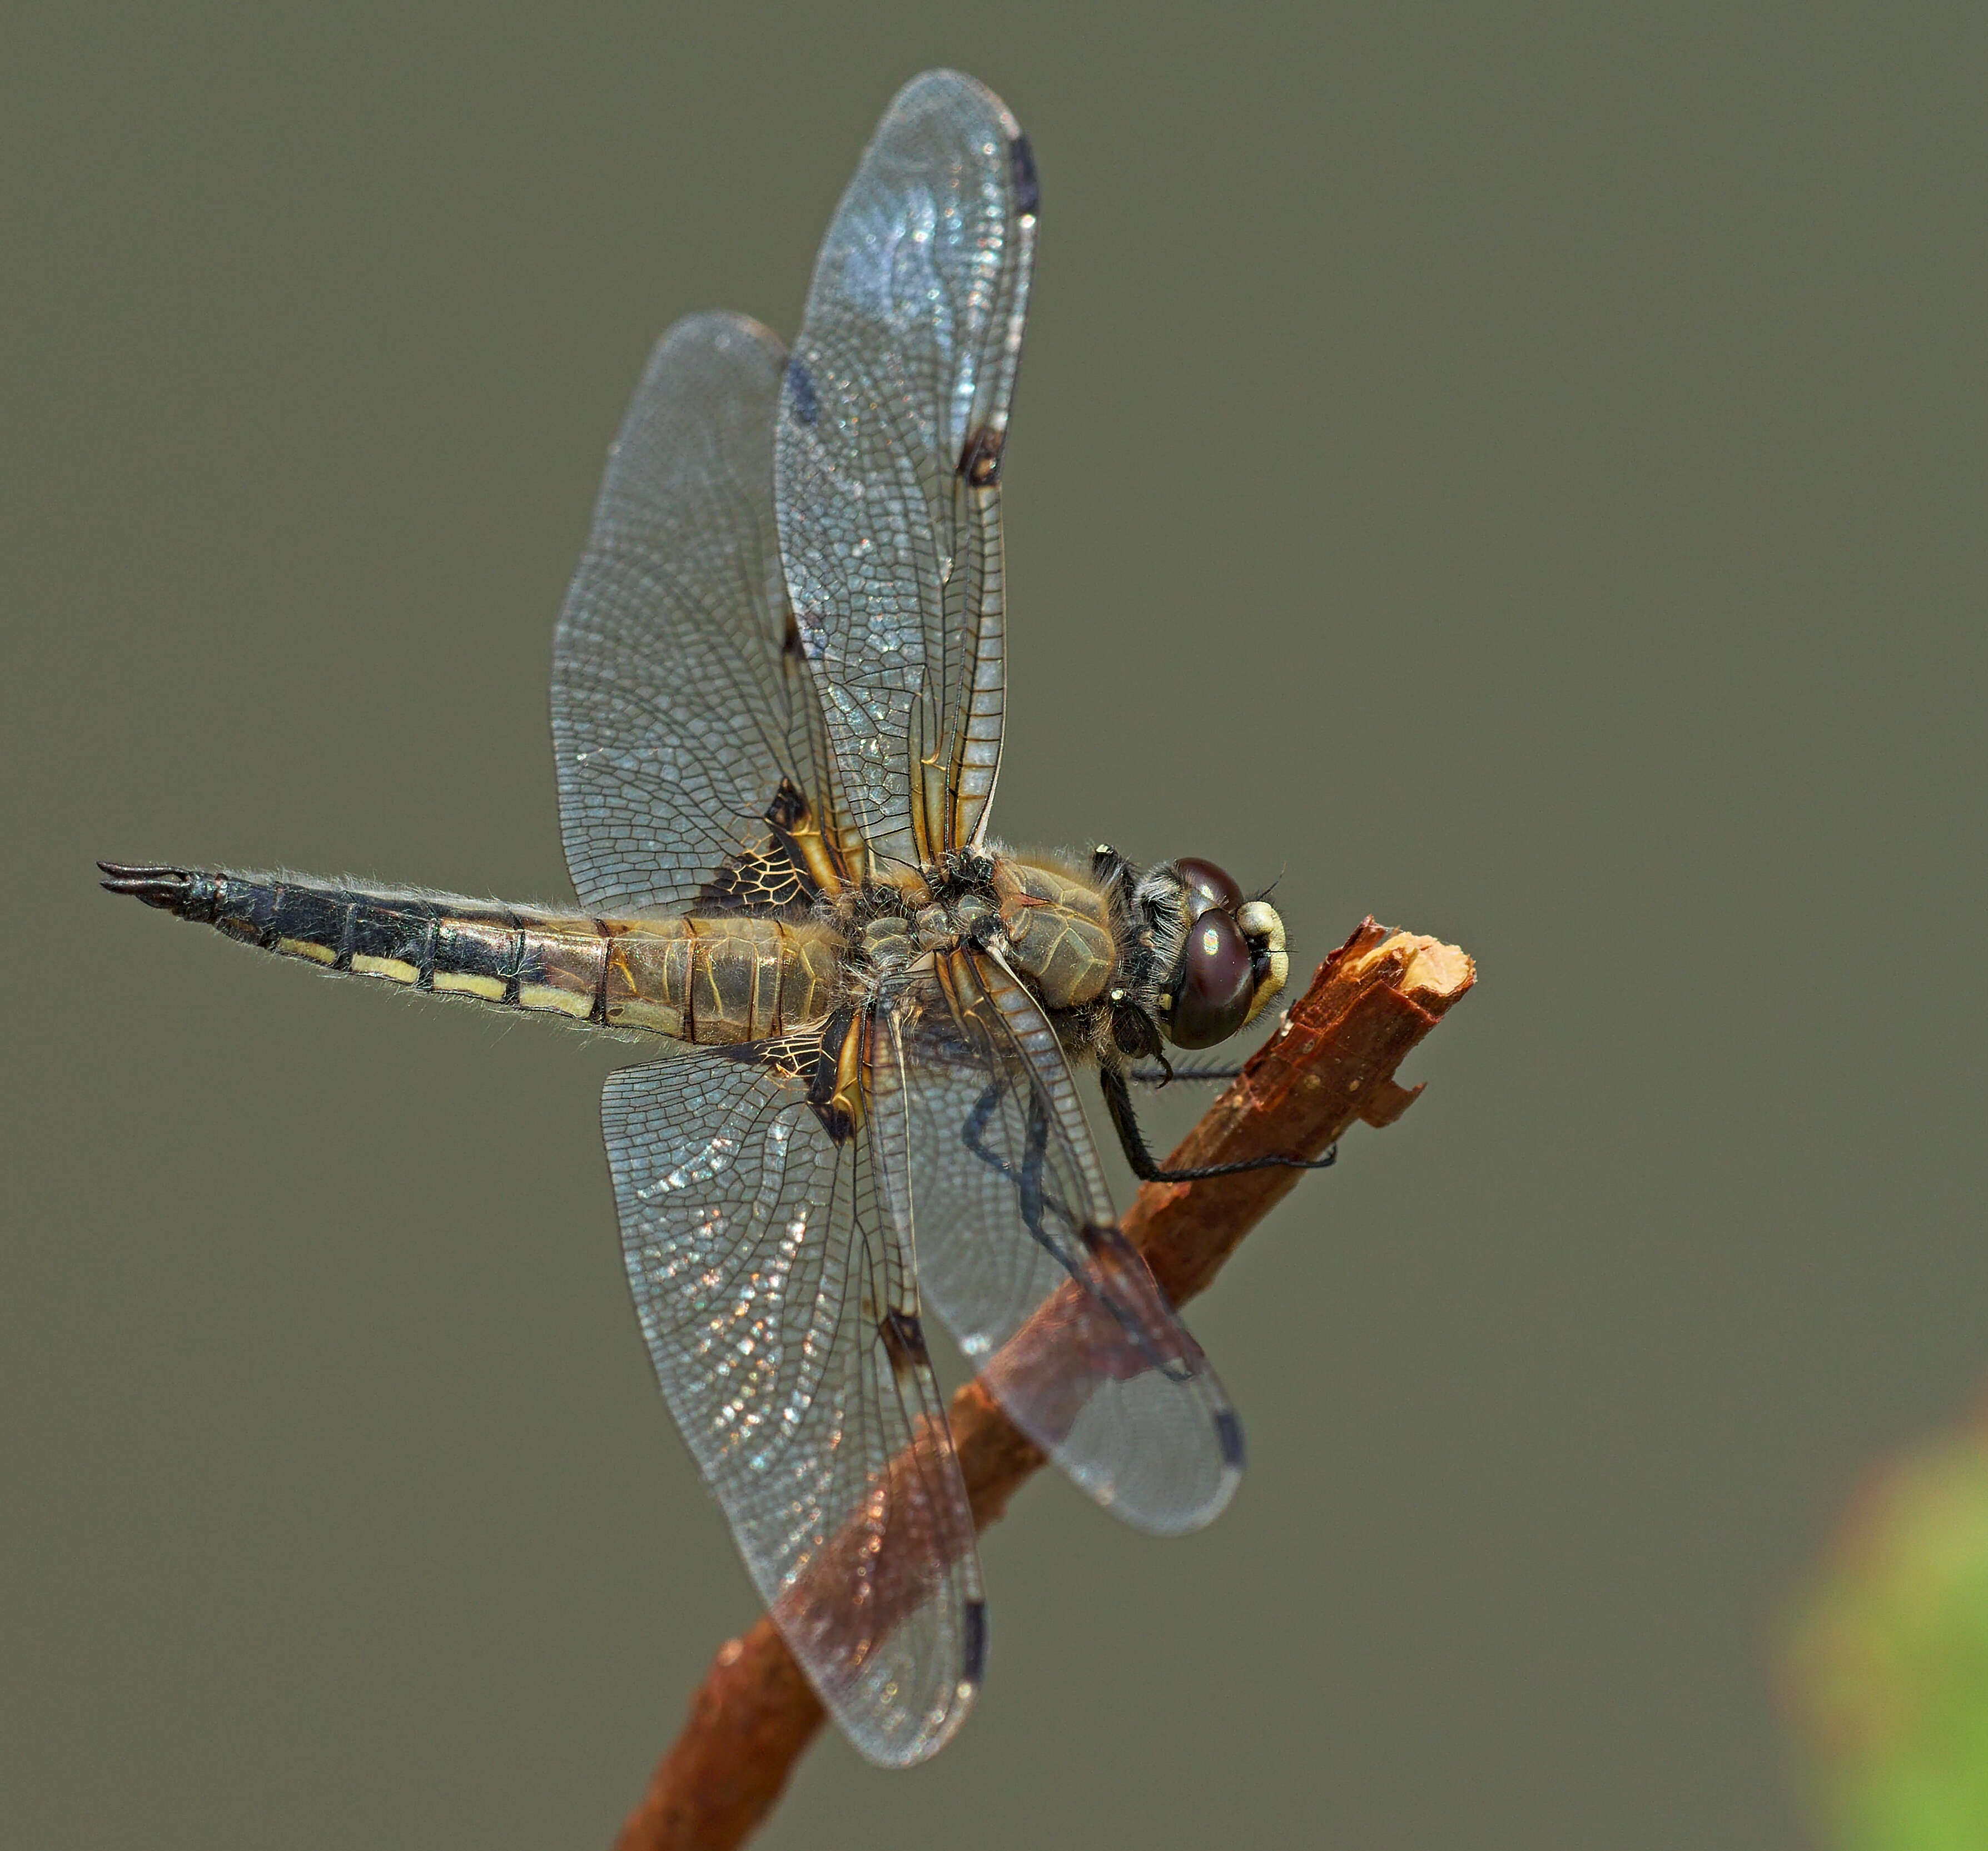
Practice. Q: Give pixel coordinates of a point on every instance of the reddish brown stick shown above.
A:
(1332, 1063)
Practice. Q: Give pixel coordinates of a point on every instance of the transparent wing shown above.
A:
(775, 1298)
(1016, 1233)
(888, 458)
(678, 707)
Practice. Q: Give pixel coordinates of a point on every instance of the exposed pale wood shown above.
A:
(1331, 1063)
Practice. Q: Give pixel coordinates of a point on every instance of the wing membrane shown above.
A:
(776, 1296)
(678, 707)
(1016, 1234)
(887, 462)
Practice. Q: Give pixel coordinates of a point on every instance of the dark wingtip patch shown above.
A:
(973, 1656)
(1028, 189)
(807, 408)
(980, 461)
(1229, 1431)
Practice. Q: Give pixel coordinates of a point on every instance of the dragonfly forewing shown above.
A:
(892, 427)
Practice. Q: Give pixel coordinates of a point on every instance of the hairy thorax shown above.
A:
(1049, 922)
(1058, 930)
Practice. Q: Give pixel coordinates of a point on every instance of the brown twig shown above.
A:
(1331, 1063)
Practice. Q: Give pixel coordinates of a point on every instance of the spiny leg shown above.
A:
(1124, 1121)
(1165, 1076)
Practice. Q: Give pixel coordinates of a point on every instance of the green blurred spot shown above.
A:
(1886, 1659)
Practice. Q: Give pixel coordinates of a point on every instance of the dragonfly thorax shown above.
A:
(1125, 959)
(1050, 922)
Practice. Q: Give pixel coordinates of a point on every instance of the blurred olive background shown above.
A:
(1517, 472)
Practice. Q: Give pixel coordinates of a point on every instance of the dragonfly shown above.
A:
(777, 702)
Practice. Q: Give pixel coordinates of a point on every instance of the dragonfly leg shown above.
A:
(1166, 1074)
(1124, 1121)
(1027, 1175)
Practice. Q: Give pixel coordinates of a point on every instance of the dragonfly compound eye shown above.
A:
(1208, 887)
(1212, 988)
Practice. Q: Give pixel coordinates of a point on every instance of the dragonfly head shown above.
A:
(1230, 959)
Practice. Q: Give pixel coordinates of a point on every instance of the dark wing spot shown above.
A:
(1021, 164)
(790, 643)
(821, 1084)
(807, 408)
(789, 809)
(980, 461)
(765, 881)
(904, 1341)
(790, 1057)
(771, 879)
(1096, 1237)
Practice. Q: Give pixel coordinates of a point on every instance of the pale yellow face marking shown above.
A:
(317, 954)
(548, 996)
(1259, 920)
(490, 989)
(394, 969)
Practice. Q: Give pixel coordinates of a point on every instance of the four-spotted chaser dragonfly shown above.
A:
(777, 698)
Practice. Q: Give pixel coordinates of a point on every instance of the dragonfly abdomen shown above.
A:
(718, 980)
(437, 942)
(708, 981)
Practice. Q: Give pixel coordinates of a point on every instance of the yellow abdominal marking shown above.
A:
(639, 1012)
(317, 954)
(489, 989)
(548, 996)
(394, 969)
